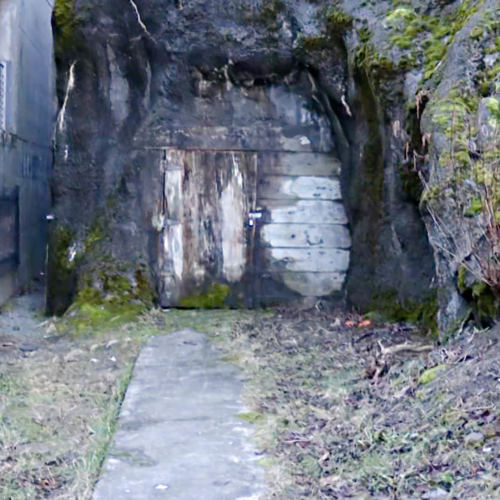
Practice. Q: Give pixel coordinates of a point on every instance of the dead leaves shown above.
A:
(363, 323)
(48, 484)
(380, 364)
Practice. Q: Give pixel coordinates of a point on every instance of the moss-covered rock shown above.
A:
(422, 313)
(65, 24)
(214, 298)
(485, 304)
(61, 269)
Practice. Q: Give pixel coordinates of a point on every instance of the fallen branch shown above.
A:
(406, 346)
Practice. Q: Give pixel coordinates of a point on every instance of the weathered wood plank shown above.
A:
(310, 260)
(306, 211)
(279, 187)
(306, 235)
(318, 164)
(314, 284)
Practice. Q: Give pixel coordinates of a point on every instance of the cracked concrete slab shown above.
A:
(178, 434)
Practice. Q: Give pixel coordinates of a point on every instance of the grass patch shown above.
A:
(330, 428)
(59, 405)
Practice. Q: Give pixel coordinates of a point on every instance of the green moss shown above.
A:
(116, 303)
(476, 32)
(377, 66)
(428, 38)
(251, 416)
(461, 279)
(423, 313)
(143, 290)
(475, 207)
(266, 462)
(453, 116)
(95, 234)
(443, 32)
(338, 22)
(308, 44)
(401, 13)
(214, 298)
(431, 374)
(92, 317)
(61, 269)
(480, 295)
(493, 105)
(485, 302)
(65, 24)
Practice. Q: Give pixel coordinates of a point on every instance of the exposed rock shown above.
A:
(202, 84)
(475, 438)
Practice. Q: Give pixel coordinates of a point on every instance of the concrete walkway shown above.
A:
(178, 435)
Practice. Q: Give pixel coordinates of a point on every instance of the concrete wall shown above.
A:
(25, 142)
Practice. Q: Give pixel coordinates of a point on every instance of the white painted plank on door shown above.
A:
(306, 235)
(310, 260)
(314, 284)
(307, 211)
(280, 187)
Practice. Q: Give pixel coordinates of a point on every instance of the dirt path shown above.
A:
(21, 321)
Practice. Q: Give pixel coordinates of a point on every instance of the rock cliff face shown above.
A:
(253, 151)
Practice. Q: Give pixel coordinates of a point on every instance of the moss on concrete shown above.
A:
(338, 22)
(83, 275)
(89, 317)
(214, 298)
(115, 302)
(427, 38)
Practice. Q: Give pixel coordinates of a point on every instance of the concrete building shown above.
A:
(27, 110)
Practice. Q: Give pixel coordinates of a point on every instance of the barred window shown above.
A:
(3, 95)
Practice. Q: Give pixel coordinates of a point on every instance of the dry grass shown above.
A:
(59, 404)
(337, 419)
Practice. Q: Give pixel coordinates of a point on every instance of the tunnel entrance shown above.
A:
(251, 199)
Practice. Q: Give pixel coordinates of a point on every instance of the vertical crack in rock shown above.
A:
(69, 87)
(139, 19)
